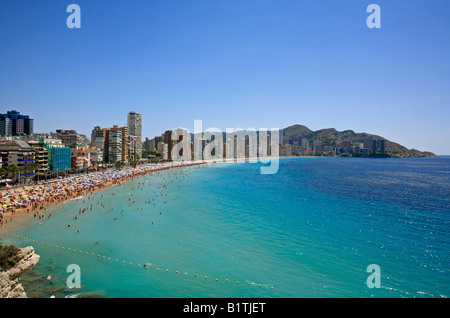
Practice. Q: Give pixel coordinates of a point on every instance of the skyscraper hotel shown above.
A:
(14, 124)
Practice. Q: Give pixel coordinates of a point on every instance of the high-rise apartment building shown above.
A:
(169, 142)
(382, 147)
(116, 144)
(71, 139)
(317, 147)
(374, 146)
(368, 144)
(98, 138)
(134, 148)
(134, 123)
(149, 145)
(94, 135)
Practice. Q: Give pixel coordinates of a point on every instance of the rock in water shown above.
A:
(9, 280)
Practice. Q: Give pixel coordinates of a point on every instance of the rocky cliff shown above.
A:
(10, 286)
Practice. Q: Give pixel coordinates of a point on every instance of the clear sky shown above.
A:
(231, 63)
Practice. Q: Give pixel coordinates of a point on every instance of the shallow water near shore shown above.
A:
(310, 230)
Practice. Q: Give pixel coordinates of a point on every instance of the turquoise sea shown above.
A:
(310, 230)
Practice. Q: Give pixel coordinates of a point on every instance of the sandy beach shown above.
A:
(35, 199)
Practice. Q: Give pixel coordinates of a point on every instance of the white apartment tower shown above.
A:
(134, 123)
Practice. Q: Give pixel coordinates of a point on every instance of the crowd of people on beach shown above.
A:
(38, 197)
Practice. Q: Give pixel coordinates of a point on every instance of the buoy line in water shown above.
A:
(145, 266)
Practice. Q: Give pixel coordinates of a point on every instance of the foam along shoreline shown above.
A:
(37, 198)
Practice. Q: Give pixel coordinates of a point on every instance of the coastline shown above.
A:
(23, 211)
(183, 216)
(47, 198)
(10, 280)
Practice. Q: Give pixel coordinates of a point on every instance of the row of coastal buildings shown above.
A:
(370, 147)
(28, 153)
(39, 153)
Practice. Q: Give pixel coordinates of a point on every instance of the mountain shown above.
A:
(334, 138)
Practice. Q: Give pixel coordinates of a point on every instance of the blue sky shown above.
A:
(233, 63)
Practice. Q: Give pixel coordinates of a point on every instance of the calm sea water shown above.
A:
(311, 230)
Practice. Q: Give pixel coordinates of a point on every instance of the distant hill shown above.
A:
(332, 137)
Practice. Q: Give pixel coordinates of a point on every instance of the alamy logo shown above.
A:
(374, 20)
(374, 279)
(74, 279)
(74, 20)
